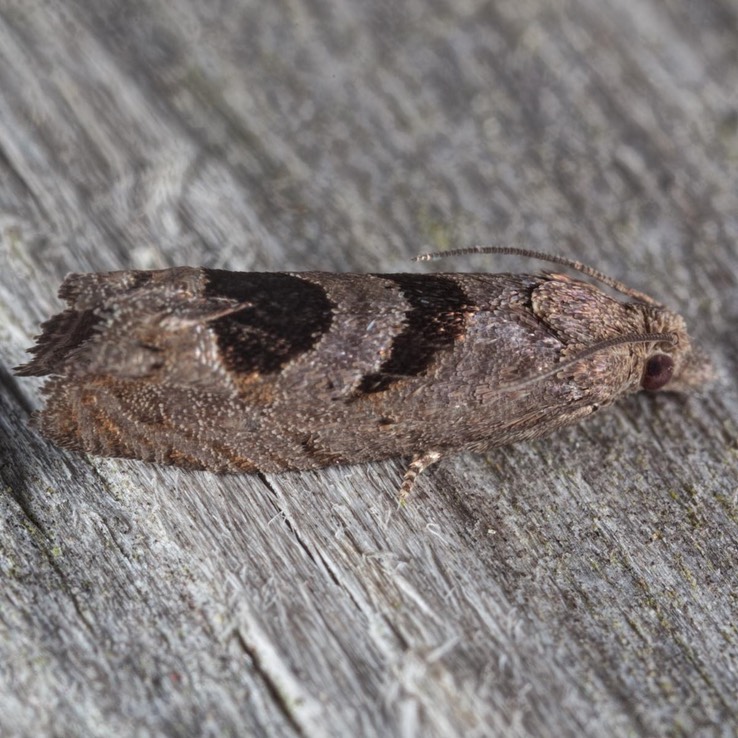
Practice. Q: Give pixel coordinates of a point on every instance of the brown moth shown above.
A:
(266, 372)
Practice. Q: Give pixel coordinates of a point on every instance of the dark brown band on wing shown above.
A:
(283, 317)
(435, 320)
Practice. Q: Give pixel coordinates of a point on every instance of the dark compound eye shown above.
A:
(658, 371)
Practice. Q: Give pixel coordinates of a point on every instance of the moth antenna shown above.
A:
(542, 256)
(670, 338)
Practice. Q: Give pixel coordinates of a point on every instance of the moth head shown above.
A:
(655, 354)
(676, 365)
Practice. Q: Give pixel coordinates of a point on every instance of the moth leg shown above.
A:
(419, 463)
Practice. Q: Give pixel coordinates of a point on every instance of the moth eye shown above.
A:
(658, 371)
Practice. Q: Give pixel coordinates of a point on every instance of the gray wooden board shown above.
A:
(581, 585)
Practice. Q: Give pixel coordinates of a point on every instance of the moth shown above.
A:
(266, 372)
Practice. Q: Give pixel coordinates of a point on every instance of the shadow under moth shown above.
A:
(267, 372)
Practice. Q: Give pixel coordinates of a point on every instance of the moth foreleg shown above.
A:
(417, 465)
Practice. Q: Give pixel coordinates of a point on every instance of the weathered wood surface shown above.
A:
(582, 585)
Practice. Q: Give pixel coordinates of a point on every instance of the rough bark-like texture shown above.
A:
(579, 585)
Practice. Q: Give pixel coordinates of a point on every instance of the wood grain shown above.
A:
(580, 585)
